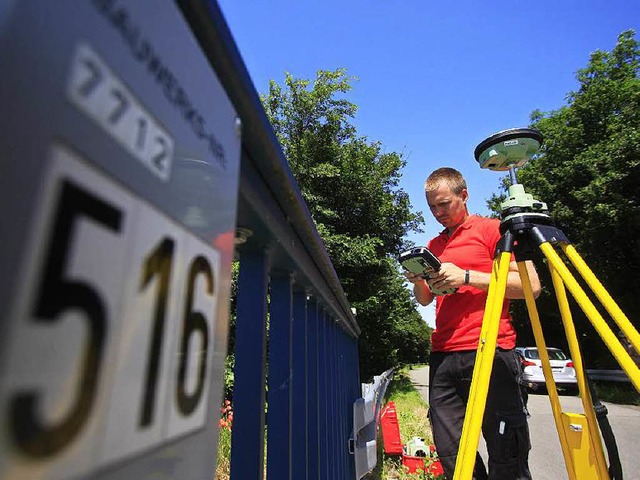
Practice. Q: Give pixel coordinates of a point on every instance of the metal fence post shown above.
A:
(279, 394)
(299, 386)
(312, 387)
(331, 411)
(334, 400)
(322, 395)
(247, 441)
(342, 438)
(354, 392)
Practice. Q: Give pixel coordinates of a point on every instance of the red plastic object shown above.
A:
(436, 466)
(390, 429)
(415, 463)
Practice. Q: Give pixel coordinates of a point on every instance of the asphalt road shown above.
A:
(545, 459)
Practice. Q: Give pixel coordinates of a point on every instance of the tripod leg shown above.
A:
(556, 408)
(585, 394)
(605, 332)
(474, 412)
(602, 294)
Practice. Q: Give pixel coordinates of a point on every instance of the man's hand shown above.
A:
(420, 290)
(413, 277)
(449, 276)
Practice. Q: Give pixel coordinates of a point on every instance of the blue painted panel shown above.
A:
(249, 386)
(279, 391)
(340, 445)
(332, 401)
(312, 388)
(323, 418)
(355, 388)
(299, 387)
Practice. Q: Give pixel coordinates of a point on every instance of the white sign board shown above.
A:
(121, 167)
(103, 368)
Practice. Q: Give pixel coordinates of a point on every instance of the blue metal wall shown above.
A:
(291, 352)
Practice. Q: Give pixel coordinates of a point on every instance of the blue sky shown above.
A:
(434, 78)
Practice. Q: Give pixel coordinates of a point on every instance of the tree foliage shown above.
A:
(351, 187)
(588, 174)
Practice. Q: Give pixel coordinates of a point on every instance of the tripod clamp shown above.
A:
(524, 232)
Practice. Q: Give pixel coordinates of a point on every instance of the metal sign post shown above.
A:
(119, 184)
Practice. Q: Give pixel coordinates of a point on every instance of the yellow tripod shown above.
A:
(526, 226)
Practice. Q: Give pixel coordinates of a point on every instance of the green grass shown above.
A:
(620, 393)
(412, 419)
(412, 409)
(224, 455)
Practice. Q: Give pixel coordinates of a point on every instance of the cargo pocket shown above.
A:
(513, 436)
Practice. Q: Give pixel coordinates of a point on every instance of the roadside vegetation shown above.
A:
(412, 418)
(223, 468)
(619, 393)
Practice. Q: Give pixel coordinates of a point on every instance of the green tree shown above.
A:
(588, 174)
(351, 187)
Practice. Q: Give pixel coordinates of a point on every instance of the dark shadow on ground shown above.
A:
(400, 384)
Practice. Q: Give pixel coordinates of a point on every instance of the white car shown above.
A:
(564, 373)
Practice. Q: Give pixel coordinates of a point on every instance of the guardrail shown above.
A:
(609, 375)
(122, 203)
(292, 313)
(366, 415)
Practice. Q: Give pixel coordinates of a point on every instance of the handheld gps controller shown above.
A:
(421, 261)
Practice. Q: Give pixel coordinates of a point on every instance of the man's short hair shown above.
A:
(452, 177)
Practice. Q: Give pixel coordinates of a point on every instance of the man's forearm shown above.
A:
(514, 285)
(481, 281)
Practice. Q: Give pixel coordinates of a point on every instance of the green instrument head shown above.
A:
(508, 148)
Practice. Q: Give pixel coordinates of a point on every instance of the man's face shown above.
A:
(448, 208)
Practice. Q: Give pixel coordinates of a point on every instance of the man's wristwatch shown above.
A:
(466, 277)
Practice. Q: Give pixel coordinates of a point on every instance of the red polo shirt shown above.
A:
(459, 316)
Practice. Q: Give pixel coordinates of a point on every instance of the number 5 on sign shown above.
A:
(111, 335)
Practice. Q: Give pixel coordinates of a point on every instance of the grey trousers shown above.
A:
(504, 426)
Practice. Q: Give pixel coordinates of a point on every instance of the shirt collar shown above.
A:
(468, 223)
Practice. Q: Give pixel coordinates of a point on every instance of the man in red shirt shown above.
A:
(466, 248)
